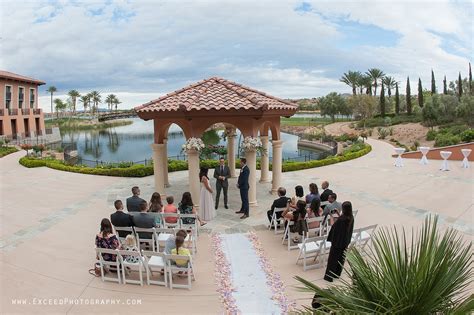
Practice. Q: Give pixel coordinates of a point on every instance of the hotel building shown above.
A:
(20, 116)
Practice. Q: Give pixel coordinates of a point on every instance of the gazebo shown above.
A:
(197, 107)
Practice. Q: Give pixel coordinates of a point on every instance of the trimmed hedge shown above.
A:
(139, 170)
(7, 150)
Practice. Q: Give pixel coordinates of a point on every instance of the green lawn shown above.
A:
(306, 121)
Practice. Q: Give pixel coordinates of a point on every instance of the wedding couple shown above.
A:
(222, 173)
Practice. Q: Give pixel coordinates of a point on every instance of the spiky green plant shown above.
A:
(427, 275)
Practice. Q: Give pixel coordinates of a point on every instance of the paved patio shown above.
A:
(49, 219)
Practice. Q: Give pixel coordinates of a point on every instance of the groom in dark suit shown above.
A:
(243, 186)
(221, 174)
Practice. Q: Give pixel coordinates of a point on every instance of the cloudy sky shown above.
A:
(140, 50)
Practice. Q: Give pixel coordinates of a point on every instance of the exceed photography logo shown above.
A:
(69, 301)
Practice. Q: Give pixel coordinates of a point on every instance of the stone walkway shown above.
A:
(49, 219)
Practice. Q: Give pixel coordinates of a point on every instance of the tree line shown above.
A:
(90, 101)
(374, 92)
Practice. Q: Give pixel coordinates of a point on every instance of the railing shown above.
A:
(37, 111)
(2, 112)
(25, 111)
(12, 111)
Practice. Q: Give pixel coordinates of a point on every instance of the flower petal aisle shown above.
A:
(244, 276)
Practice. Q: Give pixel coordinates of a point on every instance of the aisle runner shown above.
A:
(246, 281)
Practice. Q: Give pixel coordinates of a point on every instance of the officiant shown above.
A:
(221, 174)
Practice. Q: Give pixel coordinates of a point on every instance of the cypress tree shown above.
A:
(470, 80)
(397, 100)
(408, 96)
(433, 83)
(445, 86)
(459, 86)
(382, 101)
(420, 93)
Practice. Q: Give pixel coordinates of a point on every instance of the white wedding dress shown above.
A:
(206, 204)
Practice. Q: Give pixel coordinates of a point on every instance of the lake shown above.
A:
(132, 143)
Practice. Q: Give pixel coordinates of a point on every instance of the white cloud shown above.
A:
(152, 47)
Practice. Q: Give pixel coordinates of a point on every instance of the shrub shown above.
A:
(447, 139)
(467, 135)
(383, 133)
(387, 121)
(7, 150)
(431, 135)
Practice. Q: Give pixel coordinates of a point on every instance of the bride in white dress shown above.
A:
(206, 204)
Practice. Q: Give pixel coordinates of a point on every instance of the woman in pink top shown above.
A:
(170, 208)
(314, 211)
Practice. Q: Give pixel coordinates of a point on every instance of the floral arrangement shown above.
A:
(193, 143)
(26, 147)
(274, 281)
(223, 277)
(252, 143)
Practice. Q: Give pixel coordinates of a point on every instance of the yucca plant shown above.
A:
(427, 275)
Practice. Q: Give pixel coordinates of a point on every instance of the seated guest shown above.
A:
(131, 244)
(144, 220)
(107, 239)
(313, 193)
(156, 206)
(133, 203)
(281, 202)
(313, 211)
(299, 195)
(186, 206)
(120, 218)
(180, 250)
(297, 216)
(170, 208)
(326, 191)
(333, 206)
(171, 241)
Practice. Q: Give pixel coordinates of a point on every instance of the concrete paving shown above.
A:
(49, 220)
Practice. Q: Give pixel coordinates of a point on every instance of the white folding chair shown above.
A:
(324, 203)
(363, 235)
(135, 266)
(155, 262)
(126, 230)
(156, 215)
(149, 242)
(187, 270)
(312, 247)
(161, 236)
(105, 264)
(275, 223)
(168, 225)
(354, 213)
(287, 236)
(319, 230)
(193, 227)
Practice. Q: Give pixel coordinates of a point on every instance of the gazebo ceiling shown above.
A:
(215, 95)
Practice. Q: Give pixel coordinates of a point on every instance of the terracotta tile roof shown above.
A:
(216, 94)
(14, 76)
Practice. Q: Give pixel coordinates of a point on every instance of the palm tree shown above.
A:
(389, 83)
(84, 99)
(376, 75)
(429, 275)
(110, 100)
(365, 82)
(73, 94)
(96, 98)
(116, 102)
(52, 89)
(351, 78)
(60, 106)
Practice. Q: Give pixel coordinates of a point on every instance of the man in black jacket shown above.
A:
(120, 218)
(281, 202)
(325, 194)
(243, 186)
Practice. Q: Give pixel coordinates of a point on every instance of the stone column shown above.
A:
(251, 156)
(231, 153)
(158, 167)
(276, 165)
(165, 163)
(193, 176)
(264, 161)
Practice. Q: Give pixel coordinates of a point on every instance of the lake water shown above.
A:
(132, 143)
